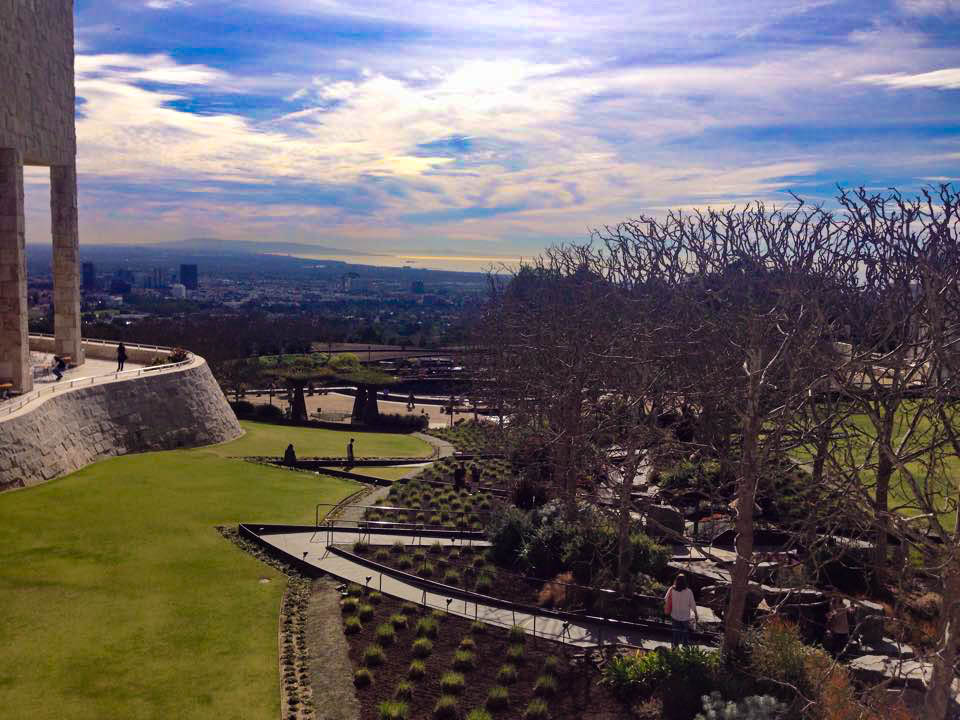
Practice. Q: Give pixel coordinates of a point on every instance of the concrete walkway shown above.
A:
(312, 548)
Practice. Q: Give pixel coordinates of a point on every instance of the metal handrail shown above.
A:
(102, 341)
(8, 407)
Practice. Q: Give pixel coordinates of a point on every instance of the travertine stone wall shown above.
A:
(14, 346)
(66, 262)
(36, 80)
(68, 431)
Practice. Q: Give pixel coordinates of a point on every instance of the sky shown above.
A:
(487, 129)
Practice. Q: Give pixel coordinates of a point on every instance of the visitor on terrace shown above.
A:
(121, 356)
(350, 452)
(59, 367)
(681, 606)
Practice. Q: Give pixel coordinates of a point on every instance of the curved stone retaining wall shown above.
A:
(65, 432)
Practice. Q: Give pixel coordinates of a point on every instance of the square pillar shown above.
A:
(66, 265)
(14, 341)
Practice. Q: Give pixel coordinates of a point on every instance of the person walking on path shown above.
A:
(681, 606)
(121, 356)
(350, 452)
(411, 402)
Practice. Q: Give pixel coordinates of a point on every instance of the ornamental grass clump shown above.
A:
(417, 670)
(551, 665)
(393, 710)
(373, 656)
(451, 577)
(397, 548)
(464, 660)
(349, 605)
(421, 647)
(467, 643)
(478, 628)
(498, 698)
(352, 626)
(507, 674)
(385, 635)
(479, 714)
(381, 555)
(446, 708)
(536, 710)
(399, 621)
(426, 570)
(375, 598)
(484, 583)
(452, 683)
(360, 547)
(436, 548)
(365, 612)
(545, 686)
(362, 678)
(404, 563)
(515, 654)
(428, 627)
(517, 635)
(403, 691)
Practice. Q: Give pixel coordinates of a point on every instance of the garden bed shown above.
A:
(472, 569)
(434, 506)
(474, 651)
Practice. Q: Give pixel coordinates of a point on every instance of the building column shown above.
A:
(66, 265)
(14, 341)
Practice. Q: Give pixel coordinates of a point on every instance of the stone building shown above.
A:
(37, 128)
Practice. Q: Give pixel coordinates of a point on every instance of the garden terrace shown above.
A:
(424, 504)
(472, 437)
(424, 651)
(496, 474)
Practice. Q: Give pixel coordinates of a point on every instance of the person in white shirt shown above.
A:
(680, 605)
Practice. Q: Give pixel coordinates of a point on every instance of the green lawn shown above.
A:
(121, 600)
(267, 439)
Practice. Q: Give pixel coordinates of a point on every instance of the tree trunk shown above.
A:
(882, 505)
(298, 409)
(629, 471)
(359, 401)
(939, 691)
(371, 411)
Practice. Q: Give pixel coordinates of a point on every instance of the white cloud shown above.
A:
(945, 79)
(167, 4)
(929, 7)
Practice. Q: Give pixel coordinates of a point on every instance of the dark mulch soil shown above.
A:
(579, 695)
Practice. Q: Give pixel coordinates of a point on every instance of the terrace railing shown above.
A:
(12, 405)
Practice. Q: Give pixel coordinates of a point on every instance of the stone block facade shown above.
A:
(37, 101)
(184, 408)
(36, 80)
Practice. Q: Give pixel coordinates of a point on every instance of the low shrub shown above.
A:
(365, 612)
(451, 577)
(479, 714)
(507, 674)
(399, 621)
(641, 673)
(397, 548)
(243, 408)
(354, 590)
(269, 412)
(468, 643)
(436, 548)
(426, 570)
(498, 697)
(375, 597)
(385, 635)
(373, 656)
(416, 670)
(438, 615)
(404, 563)
(428, 627)
(421, 647)
(536, 710)
(403, 691)
(446, 708)
(452, 683)
(349, 605)
(464, 660)
(551, 664)
(478, 628)
(353, 625)
(408, 608)
(382, 555)
(362, 678)
(419, 556)
(545, 686)
(393, 710)
(360, 547)
(402, 421)
(517, 635)
(754, 707)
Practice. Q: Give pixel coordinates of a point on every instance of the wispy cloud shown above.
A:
(945, 79)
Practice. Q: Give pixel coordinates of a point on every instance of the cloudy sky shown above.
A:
(492, 128)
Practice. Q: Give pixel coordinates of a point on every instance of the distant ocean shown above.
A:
(464, 263)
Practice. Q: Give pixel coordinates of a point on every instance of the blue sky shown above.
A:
(492, 128)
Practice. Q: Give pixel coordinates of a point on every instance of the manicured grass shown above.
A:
(121, 600)
(267, 439)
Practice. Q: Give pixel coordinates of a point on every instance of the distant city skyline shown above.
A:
(469, 132)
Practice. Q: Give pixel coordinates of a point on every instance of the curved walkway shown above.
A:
(311, 548)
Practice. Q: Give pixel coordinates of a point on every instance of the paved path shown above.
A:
(578, 633)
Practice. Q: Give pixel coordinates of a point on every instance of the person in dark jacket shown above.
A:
(121, 356)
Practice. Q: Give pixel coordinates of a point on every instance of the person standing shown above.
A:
(681, 606)
(350, 452)
(121, 356)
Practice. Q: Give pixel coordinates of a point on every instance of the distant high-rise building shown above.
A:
(188, 276)
(178, 291)
(417, 287)
(89, 276)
